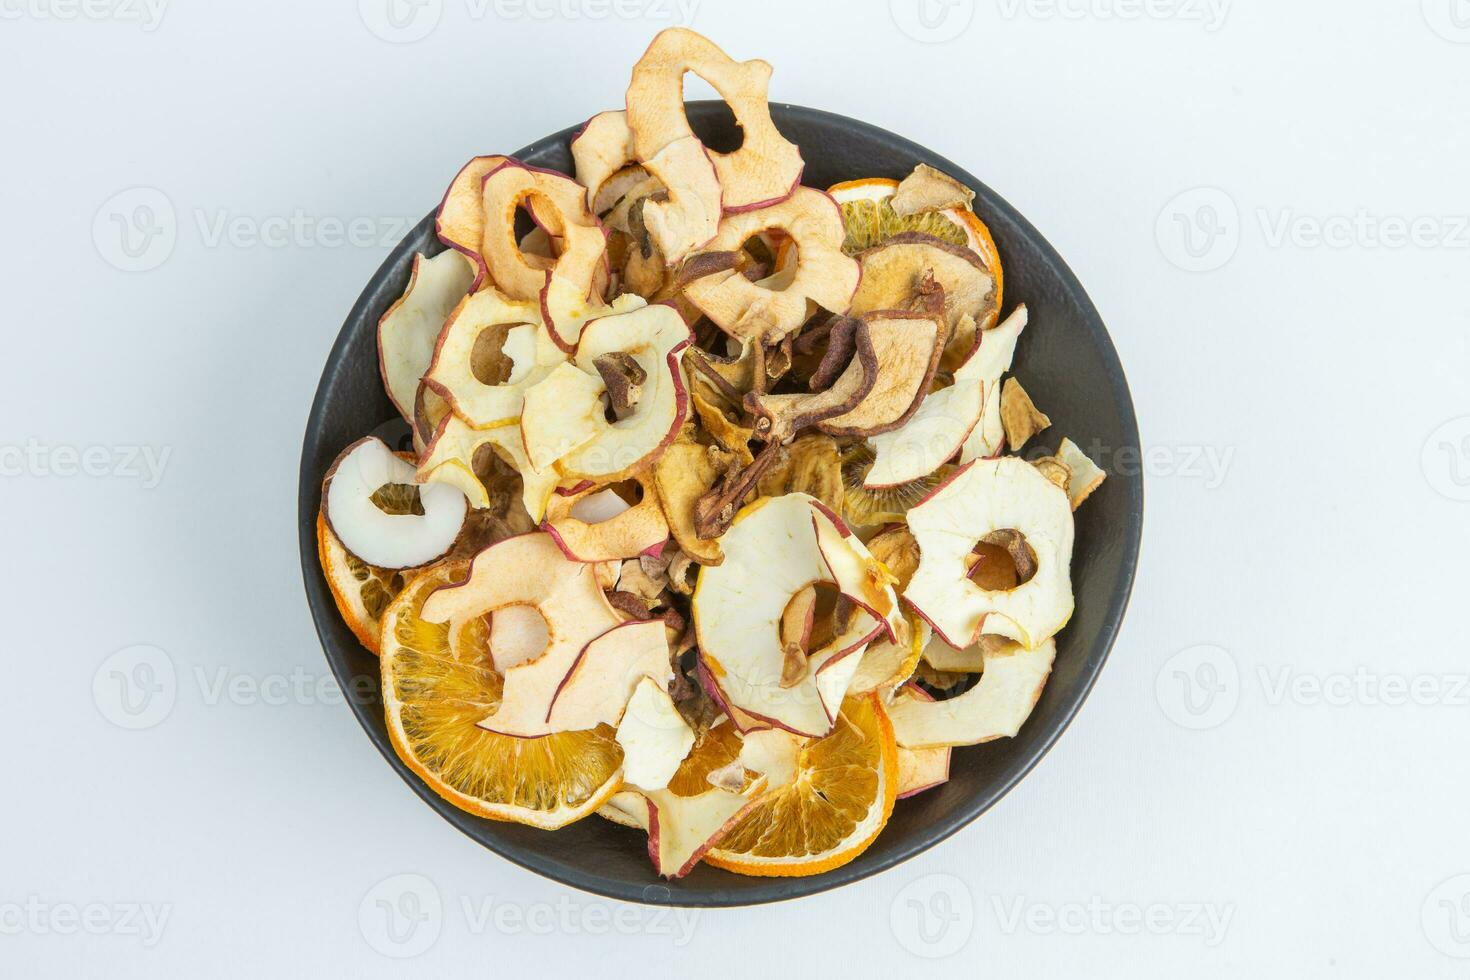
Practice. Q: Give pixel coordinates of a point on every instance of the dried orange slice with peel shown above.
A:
(870, 220)
(434, 693)
(836, 804)
(362, 591)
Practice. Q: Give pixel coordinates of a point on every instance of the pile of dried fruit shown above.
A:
(707, 528)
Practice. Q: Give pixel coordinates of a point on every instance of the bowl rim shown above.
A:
(766, 890)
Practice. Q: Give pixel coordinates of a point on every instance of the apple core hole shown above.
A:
(518, 635)
(1002, 561)
(488, 361)
(718, 131)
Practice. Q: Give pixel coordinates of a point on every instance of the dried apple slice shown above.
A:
(1019, 415)
(907, 348)
(602, 148)
(823, 275)
(888, 662)
(766, 168)
(561, 414)
(460, 223)
(561, 203)
(490, 351)
(775, 549)
(994, 708)
(919, 769)
(597, 687)
(683, 829)
(626, 532)
(529, 570)
(407, 332)
(450, 454)
(927, 189)
(893, 271)
(653, 336)
(655, 737)
(1084, 475)
(375, 536)
(981, 497)
(993, 355)
(683, 474)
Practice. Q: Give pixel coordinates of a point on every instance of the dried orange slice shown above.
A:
(870, 219)
(362, 591)
(836, 804)
(434, 692)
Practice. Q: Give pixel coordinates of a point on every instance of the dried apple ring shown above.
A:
(560, 204)
(824, 274)
(766, 168)
(586, 535)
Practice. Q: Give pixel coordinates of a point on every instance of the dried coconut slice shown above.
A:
(766, 168)
(460, 223)
(591, 527)
(775, 549)
(561, 203)
(653, 336)
(1085, 475)
(489, 353)
(602, 148)
(529, 570)
(823, 275)
(450, 454)
(374, 536)
(655, 737)
(408, 331)
(981, 497)
(994, 708)
(919, 769)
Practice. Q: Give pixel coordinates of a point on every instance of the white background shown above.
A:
(1300, 373)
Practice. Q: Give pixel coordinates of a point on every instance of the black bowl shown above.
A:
(1065, 359)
